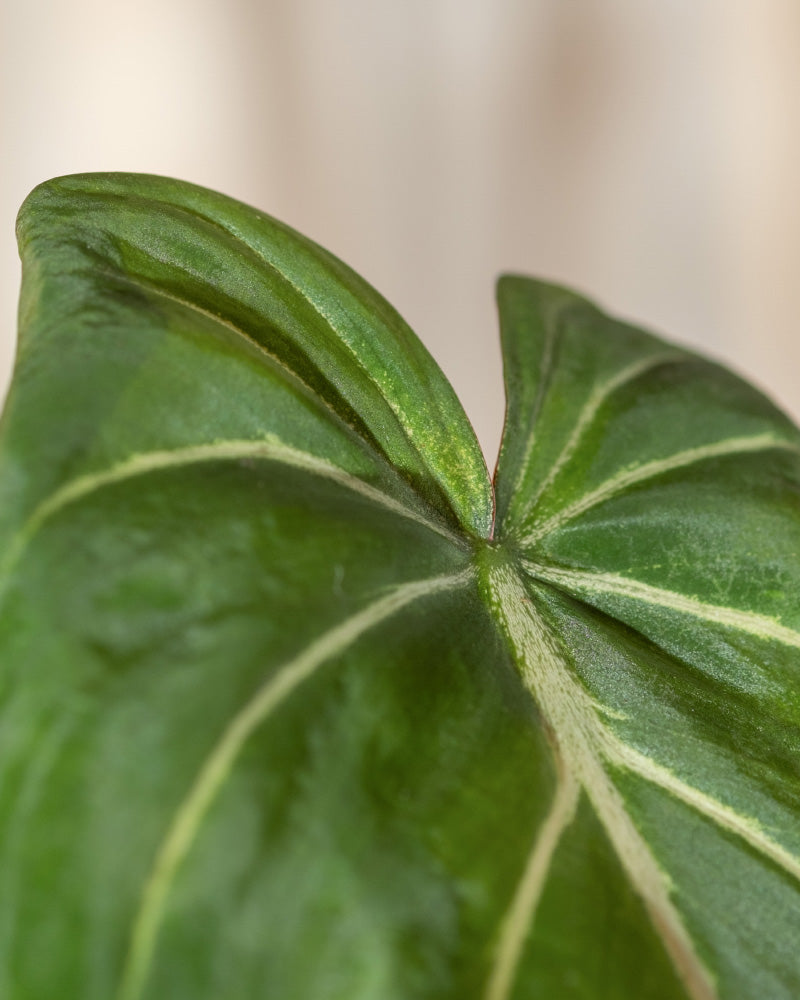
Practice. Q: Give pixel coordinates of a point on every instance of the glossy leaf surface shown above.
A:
(286, 712)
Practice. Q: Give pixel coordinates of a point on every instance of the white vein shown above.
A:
(268, 448)
(572, 719)
(288, 373)
(585, 582)
(195, 307)
(376, 375)
(386, 395)
(745, 827)
(651, 470)
(544, 376)
(599, 395)
(519, 919)
(651, 882)
(623, 755)
(187, 820)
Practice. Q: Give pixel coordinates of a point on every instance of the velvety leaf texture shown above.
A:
(296, 703)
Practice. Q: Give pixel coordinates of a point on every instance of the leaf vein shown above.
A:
(598, 397)
(289, 373)
(748, 829)
(652, 470)
(386, 390)
(582, 581)
(571, 717)
(548, 358)
(267, 448)
(519, 919)
(184, 826)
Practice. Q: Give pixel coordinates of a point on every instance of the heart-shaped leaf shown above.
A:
(286, 710)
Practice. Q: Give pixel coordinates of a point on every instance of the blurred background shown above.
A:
(646, 153)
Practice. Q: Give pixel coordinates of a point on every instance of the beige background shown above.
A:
(644, 151)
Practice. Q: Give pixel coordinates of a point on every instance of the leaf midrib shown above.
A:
(586, 747)
(573, 719)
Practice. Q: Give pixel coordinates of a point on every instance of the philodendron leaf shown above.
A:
(287, 711)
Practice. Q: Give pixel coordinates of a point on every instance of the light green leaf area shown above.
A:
(286, 711)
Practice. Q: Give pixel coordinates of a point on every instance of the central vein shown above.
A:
(579, 740)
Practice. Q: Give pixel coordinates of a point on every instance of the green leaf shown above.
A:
(285, 712)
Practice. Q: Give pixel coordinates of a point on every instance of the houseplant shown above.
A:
(297, 703)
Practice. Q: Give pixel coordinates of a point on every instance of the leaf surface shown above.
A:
(286, 712)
